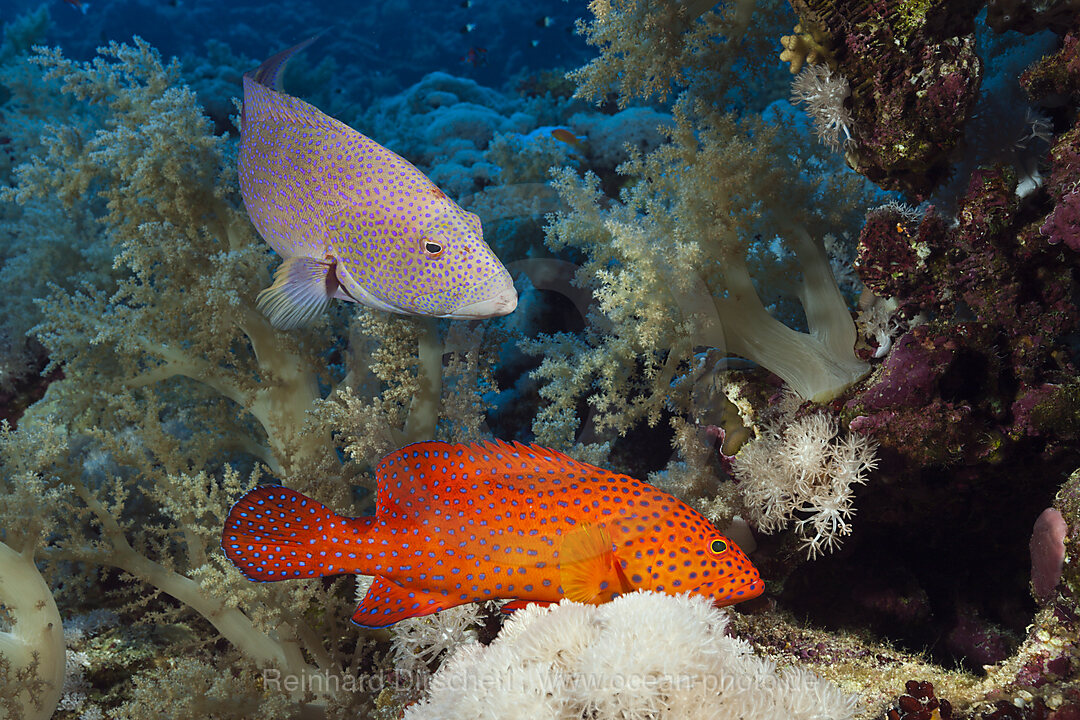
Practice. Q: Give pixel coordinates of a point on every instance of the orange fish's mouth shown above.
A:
(730, 593)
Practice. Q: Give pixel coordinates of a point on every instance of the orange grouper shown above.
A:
(463, 523)
(354, 221)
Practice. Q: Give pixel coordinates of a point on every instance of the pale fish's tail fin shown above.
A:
(270, 73)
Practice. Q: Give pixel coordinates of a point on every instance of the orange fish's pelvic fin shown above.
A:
(274, 533)
(588, 568)
(387, 603)
(302, 289)
(520, 604)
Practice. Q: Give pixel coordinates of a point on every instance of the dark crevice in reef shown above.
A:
(935, 564)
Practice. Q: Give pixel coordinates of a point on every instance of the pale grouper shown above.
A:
(353, 220)
(456, 524)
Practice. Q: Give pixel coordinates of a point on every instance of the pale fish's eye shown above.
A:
(432, 246)
(718, 546)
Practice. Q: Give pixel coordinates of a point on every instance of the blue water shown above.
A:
(368, 39)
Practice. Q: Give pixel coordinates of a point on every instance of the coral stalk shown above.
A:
(32, 653)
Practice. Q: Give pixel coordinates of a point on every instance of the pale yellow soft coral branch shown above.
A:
(195, 263)
(32, 654)
(653, 49)
(669, 269)
(32, 651)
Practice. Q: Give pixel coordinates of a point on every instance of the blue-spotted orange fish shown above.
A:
(353, 220)
(463, 523)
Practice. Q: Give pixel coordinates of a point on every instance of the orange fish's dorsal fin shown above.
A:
(387, 603)
(541, 459)
(402, 476)
(588, 568)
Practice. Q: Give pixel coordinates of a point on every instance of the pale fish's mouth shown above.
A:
(501, 299)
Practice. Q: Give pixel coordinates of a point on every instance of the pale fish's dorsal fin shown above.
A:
(264, 94)
(301, 291)
(589, 571)
(270, 73)
(387, 603)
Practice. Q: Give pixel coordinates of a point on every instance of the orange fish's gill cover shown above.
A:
(464, 523)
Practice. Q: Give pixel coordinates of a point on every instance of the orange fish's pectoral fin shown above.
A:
(302, 289)
(588, 568)
(387, 603)
(519, 604)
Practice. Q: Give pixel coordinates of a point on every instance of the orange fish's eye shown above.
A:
(432, 248)
(718, 546)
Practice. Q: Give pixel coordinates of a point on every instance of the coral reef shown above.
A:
(682, 240)
(915, 76)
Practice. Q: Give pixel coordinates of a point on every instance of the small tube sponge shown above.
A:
(643, 655)
(1047, 552)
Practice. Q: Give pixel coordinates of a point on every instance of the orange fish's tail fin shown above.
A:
(274, 533)
(271, 71)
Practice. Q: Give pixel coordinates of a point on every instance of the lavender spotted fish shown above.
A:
(353, 220)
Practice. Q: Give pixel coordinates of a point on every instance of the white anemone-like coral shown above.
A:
(804, 469)
(643, 655)
(823, 93)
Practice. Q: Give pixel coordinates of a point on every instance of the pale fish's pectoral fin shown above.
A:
(387, 603)
(589, 571)
(300, 293)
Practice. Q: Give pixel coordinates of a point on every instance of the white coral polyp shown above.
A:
(801, 466)
(643, 655)
(823, 93)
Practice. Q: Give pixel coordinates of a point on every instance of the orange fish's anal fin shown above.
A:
(387, 603)
(588, 568)
(301, 291)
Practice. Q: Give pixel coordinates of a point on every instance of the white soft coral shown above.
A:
(823, 93)
(642, 656)
(800, 469)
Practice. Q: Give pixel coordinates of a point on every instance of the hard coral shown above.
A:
(903, 408)
(1056, 76)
